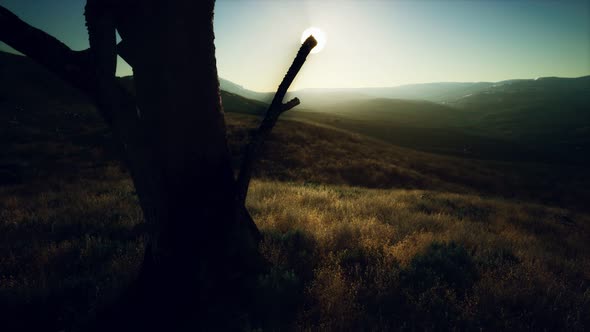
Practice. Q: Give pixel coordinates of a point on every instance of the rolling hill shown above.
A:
(551, 111)
(38, 107)
(440, 92)
(433, 92)
(543, 120)
(547, 120)
(239, 90)
(360, 232)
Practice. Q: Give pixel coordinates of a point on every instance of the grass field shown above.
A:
(361, 234)
(415, 259)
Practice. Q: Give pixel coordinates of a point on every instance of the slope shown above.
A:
(442, 243)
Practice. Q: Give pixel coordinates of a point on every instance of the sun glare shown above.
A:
(318, 34)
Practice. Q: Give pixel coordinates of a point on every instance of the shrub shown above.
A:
(434, 285)
(447, 265)
(278, 298)
(294, 249)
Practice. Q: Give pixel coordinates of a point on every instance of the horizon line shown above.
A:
(407, 84)
(17, 53)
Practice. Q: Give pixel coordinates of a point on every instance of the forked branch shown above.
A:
(78, 68)
(270, 119)
(73, 67)
(88, 71)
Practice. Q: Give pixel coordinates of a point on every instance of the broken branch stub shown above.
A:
(270, 118)
(290, 104)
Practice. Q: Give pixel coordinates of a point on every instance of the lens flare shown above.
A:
(318, 34)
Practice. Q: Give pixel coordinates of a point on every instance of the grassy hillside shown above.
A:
(401, 112)
(552, 113)
(421, 126)
(361, 233)
(305, 152)
(541, 120)
(522, 120)
(445, 255)
(345, 257)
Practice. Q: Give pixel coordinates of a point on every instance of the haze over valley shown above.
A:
(544, 119)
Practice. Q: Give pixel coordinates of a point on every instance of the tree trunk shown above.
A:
(200, 253)
(201, 257)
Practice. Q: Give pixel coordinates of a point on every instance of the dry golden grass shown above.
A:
(302, 152)
(532, 262)
(434, 248)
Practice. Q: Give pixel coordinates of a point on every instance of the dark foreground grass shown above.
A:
(345, 258)
(66, 249)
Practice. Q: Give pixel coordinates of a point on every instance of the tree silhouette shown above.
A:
(201, 256)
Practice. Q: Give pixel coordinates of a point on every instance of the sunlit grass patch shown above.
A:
(392, 258)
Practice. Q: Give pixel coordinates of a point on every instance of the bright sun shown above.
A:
(319, 36)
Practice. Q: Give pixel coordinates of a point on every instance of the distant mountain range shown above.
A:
(441, 92)
(237, 89)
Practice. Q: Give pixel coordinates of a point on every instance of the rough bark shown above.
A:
(200, 253)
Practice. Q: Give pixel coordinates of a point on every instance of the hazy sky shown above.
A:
(374, 43)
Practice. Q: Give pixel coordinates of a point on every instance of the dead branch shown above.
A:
(54, 55)
(290, 104)
(74, 67)
(103, 50)
(79, 69)
(270, 119)
(90, 72)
